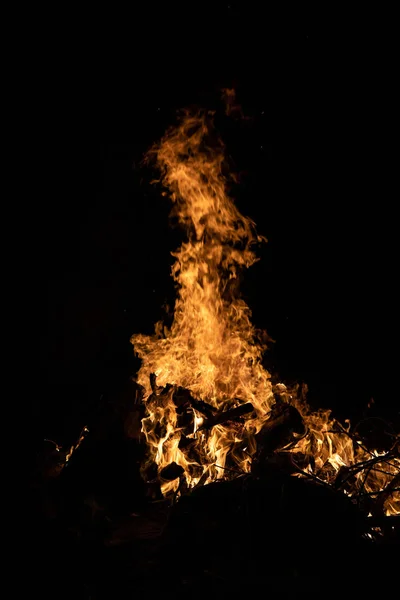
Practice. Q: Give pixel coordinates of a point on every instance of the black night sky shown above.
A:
(315, 159)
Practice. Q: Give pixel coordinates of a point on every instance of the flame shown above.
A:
(212, 350)
(74, 447)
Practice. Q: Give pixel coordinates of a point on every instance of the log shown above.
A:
(182, 397)
(171, 472)
(285, 420)
(153, 383)
(232, 414)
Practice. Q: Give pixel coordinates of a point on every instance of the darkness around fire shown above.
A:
(316, 170)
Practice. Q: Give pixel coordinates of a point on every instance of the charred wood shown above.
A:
(171, 472)
(279, 430)
(233, 414)
(183, 397)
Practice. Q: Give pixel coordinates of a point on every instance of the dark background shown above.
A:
(316, 163)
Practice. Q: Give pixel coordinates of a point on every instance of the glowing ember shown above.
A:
(210, 361)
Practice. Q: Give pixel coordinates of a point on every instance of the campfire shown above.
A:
(211, 410)
(175, 483)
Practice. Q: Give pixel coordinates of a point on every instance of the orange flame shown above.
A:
(212, 349)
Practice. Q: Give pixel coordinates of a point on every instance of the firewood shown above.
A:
(183, 397)
(153, 383)
(232, 414)
(285, 420)
(171, 472)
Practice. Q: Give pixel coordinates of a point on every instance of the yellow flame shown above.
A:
(212, 348)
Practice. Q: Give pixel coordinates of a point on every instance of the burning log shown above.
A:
(171, 472)
(279, 430)
(182, 397)
(232, 414)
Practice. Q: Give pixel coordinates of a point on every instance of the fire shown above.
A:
(209, 361)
